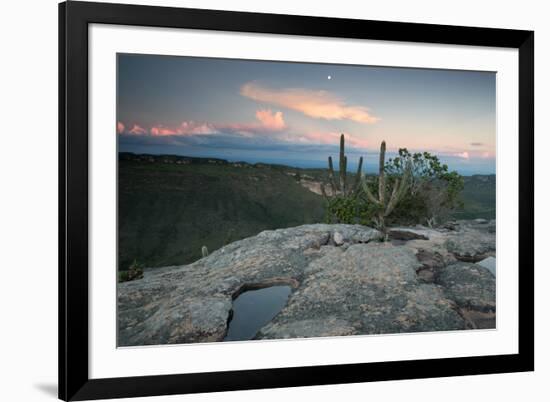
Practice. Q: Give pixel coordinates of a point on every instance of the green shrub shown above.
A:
(135, 271)
(350, 210)
(434, 191)
(409, 189)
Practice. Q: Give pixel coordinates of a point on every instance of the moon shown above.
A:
(329, 77)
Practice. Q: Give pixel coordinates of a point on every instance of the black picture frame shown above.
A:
(74, 18)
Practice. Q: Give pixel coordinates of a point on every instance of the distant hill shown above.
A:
(479, 197)
(170, 206)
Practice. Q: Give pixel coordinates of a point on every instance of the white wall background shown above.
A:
(28, 199)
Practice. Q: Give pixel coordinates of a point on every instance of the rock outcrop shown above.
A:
(345, 281)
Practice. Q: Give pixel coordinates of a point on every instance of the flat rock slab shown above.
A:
(474, 241)
(345, 281)
(368, 289)
(470, 286)
(490, 263)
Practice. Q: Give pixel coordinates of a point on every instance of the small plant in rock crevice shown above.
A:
(135, 271)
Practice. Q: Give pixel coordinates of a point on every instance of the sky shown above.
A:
(294, 113)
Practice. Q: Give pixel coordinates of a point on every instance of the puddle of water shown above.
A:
(253, 309)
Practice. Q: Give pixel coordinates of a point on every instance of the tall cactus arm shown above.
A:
(331, 176)
(339, 183)
(345, 184)
(367, 191)
(406, 181)
(381, 175)
(342, 166)
(358, 175)
(399, 189)
(394, 198)
(323, 192)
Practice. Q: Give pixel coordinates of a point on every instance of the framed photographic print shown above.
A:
(258, 200)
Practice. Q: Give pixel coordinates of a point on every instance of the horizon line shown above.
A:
(313, 162)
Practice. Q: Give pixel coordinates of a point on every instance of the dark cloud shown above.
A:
(476, 144)
(266, 149)
(185, 144)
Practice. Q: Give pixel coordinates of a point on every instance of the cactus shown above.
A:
(340, 186)
(385, 205)
(204, 251)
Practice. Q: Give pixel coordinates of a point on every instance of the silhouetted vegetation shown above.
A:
(433, 192)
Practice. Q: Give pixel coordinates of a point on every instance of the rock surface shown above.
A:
(490, 263)
(475, 242)
(345, 282)
(472, 288)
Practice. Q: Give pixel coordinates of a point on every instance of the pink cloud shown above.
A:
(159, 130)
(137, 130)
(271, 121)
(120, 127)
(329, 138)
(317, 104)
(482, 154)
(190, 128)
(453, 152)
(463, 155)
(184, 129)
(268, 121)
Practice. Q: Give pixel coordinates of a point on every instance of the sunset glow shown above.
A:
(295, 112)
